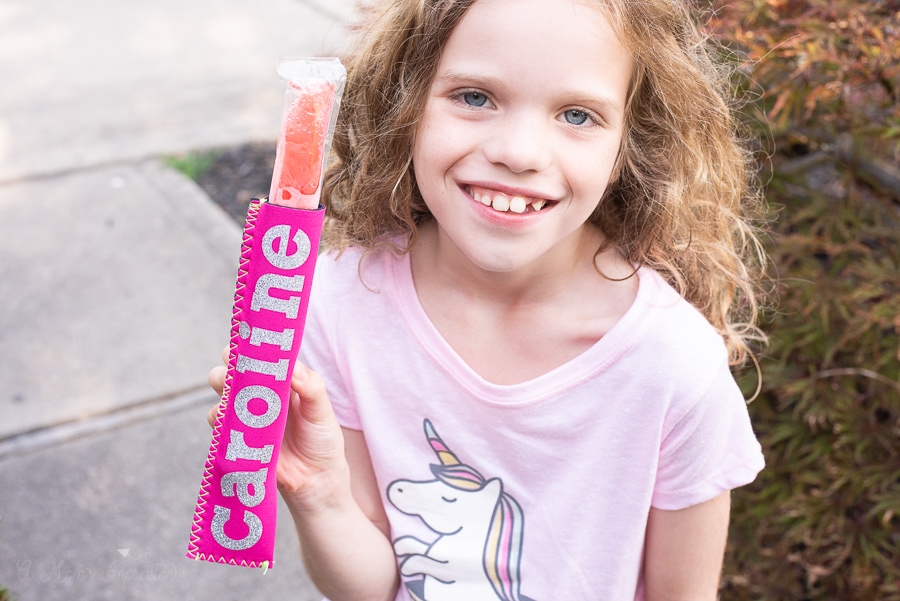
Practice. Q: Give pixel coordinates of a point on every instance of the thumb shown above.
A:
(314, 405)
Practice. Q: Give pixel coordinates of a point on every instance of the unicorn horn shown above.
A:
(440, 449)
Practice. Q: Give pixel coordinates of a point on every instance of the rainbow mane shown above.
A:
(503, 550)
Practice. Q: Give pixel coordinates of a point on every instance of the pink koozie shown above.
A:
(236, 512)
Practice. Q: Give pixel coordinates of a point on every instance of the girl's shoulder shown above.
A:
(356, 271)
(673, 353)
(673, 328)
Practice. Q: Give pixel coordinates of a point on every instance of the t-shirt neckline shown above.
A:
(599, 357)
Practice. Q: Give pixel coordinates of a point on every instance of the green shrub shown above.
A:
(192, 164)
(823, 520)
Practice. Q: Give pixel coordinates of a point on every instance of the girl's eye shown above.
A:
(576, 117)
(474, 98)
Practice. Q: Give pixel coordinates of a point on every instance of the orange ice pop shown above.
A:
(299, 156)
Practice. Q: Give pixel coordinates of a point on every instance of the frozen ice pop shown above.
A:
(236, 513)
(299, 157)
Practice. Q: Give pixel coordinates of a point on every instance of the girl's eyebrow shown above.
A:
(456, 78)
(576, 96)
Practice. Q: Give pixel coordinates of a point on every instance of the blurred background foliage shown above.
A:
(823, 519)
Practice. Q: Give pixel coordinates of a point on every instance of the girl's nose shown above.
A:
(521, 142)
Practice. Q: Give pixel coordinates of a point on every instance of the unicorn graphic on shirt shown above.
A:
(478, 549)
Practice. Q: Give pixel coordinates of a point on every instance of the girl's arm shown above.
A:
(345, 548)
(326, 479)
(684, 551)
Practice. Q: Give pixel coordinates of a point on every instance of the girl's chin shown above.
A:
(504, 258)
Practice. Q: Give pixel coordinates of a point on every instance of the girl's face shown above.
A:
(521, 131)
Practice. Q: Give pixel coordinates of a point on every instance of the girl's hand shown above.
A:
(332, 494)
(312, 468)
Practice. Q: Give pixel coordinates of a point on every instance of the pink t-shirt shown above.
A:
(534, 491)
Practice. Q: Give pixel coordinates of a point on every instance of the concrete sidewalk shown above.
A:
(116, 278)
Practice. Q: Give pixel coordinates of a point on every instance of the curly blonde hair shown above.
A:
(684, 201)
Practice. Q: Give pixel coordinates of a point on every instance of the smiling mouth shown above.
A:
(506, 203)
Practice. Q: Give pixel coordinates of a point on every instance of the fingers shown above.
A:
(217, 381)
(213, 414)
(310, 399)
(216, 378)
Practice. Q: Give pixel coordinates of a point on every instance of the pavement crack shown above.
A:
(41, 438)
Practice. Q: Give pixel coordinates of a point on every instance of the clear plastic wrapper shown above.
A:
(311, 105)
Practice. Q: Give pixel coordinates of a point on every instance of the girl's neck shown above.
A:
(515, 326)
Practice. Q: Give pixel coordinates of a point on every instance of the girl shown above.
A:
(538, 274)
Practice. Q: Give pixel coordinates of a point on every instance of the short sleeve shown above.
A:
(711, 449)
(318, 349)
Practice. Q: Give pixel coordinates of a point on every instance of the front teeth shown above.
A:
(505, 203)
(500, 203)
